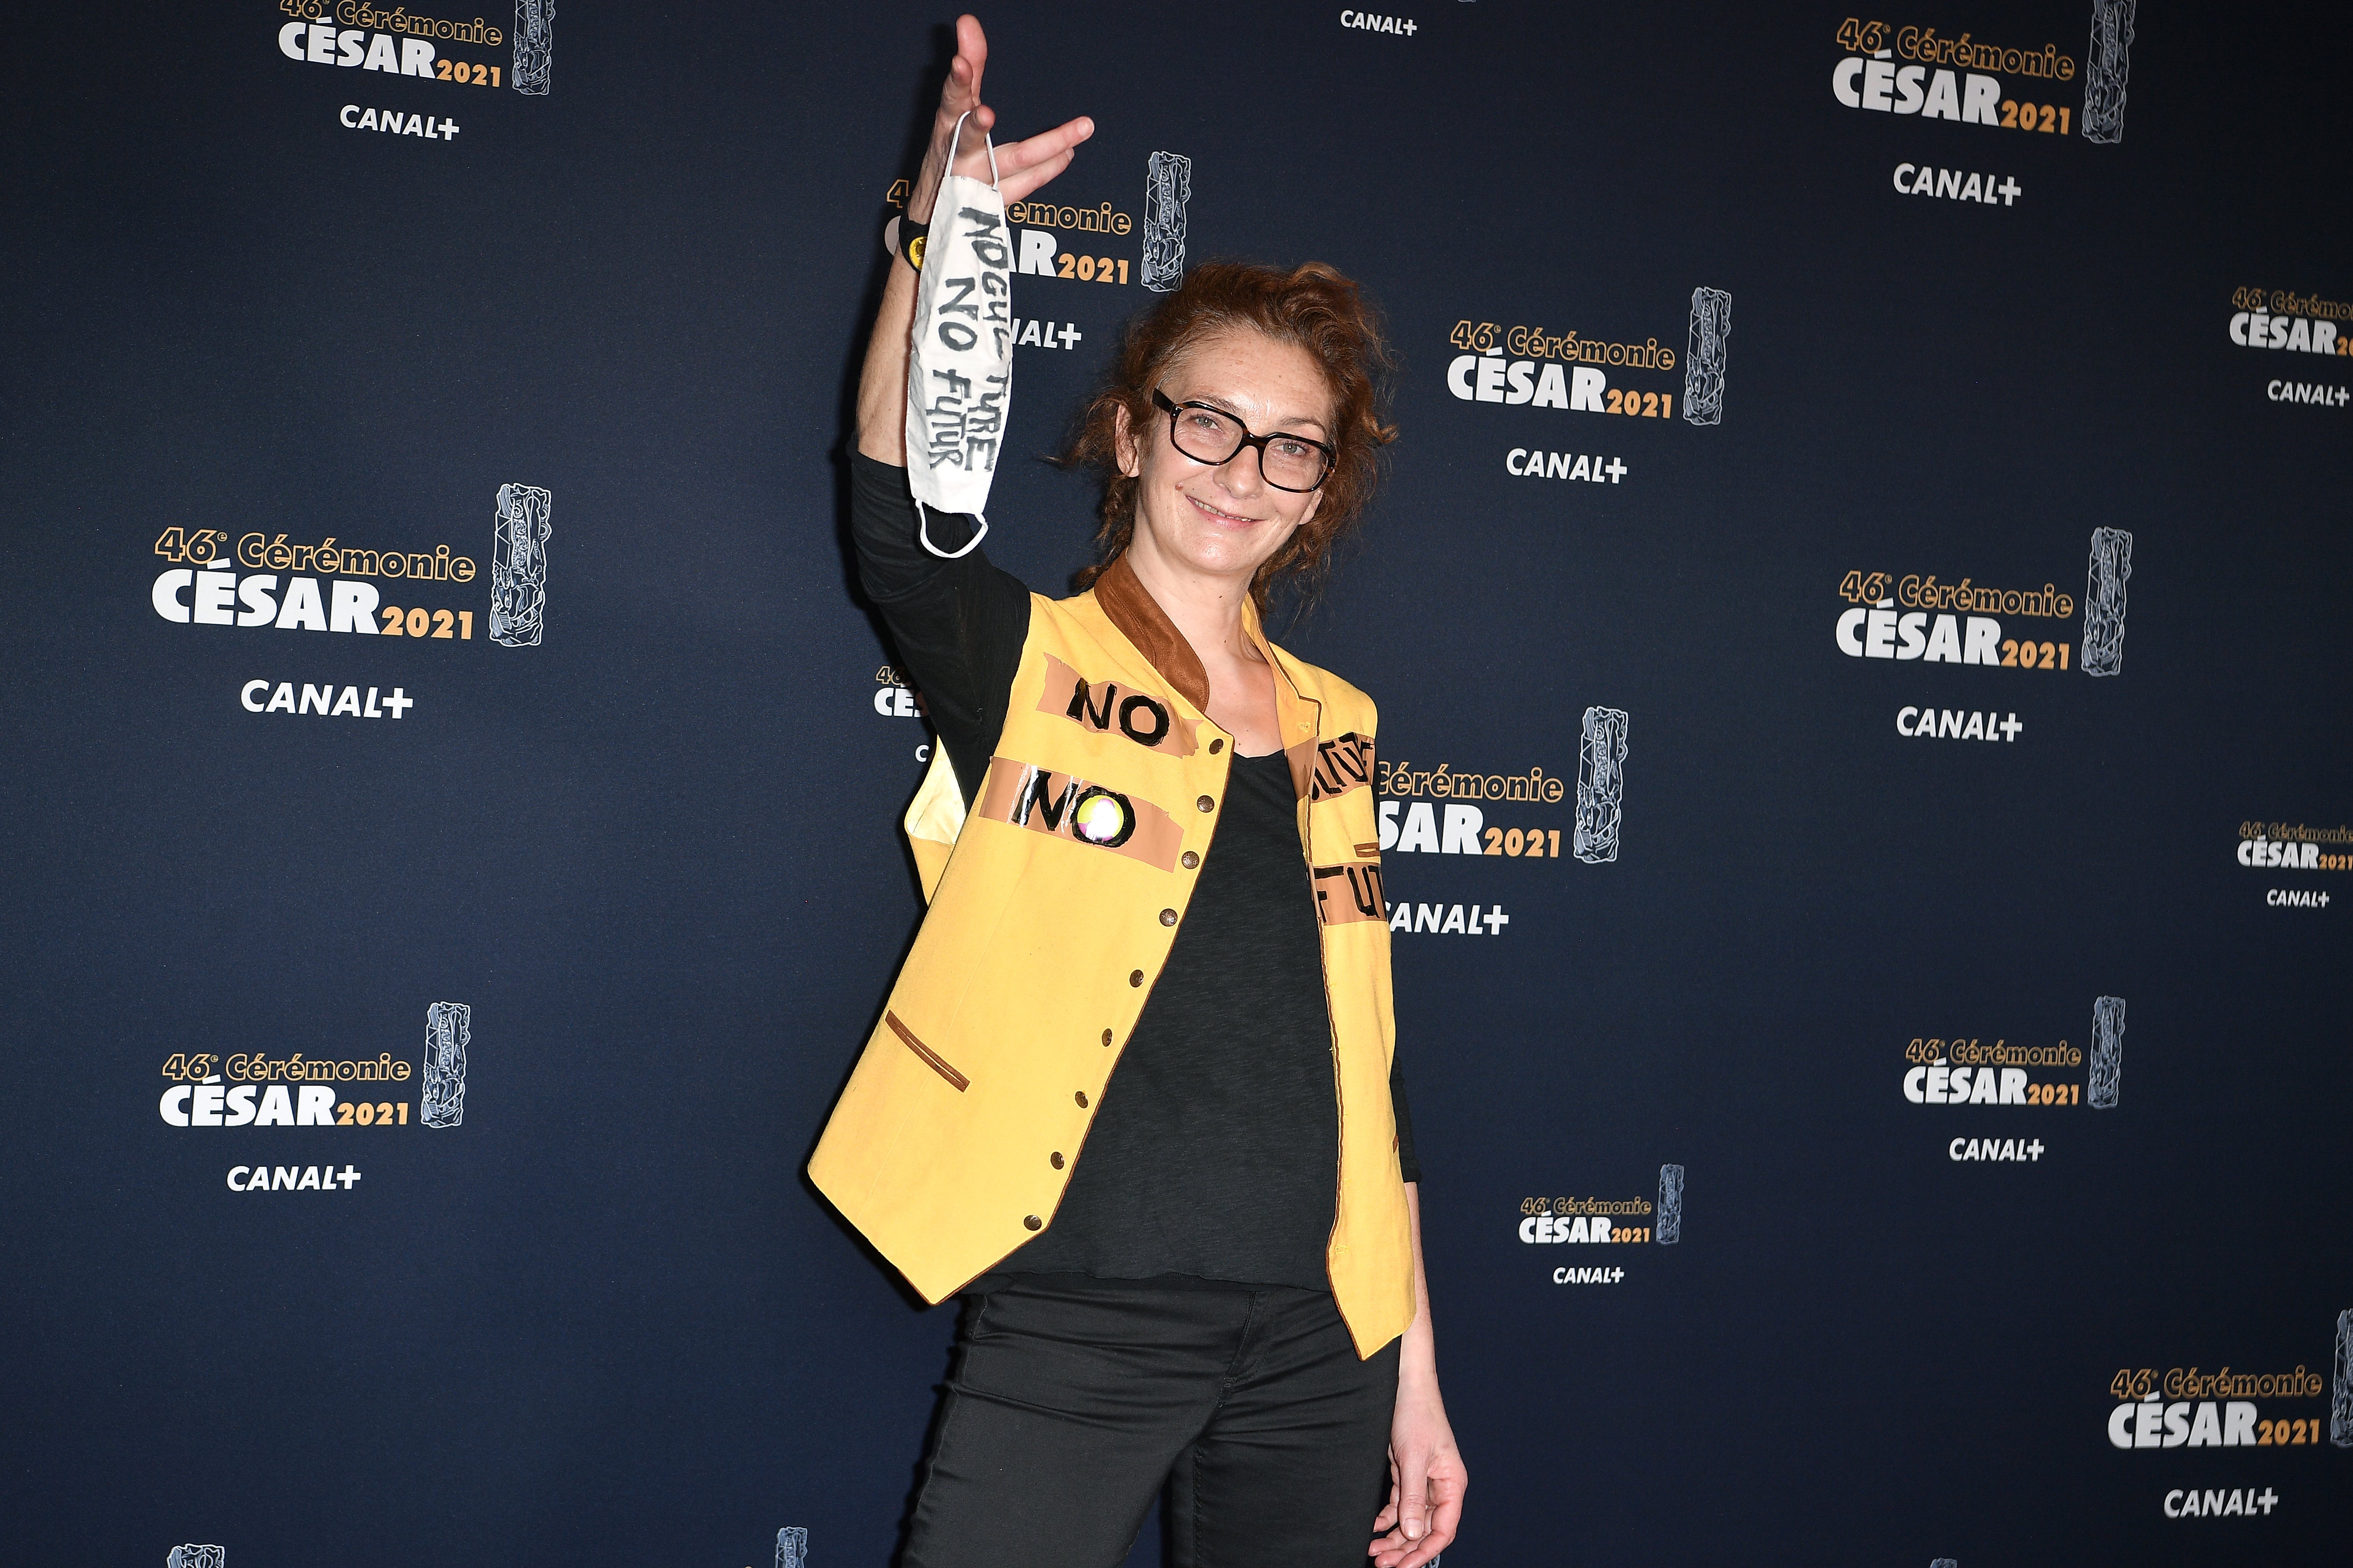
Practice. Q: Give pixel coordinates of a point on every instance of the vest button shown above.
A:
(1191, 859)
(1055, 1159)
(1031, 1222)
(1106, 1037)
(1081, 1098)
(1216, 746)
(1136, 977)
(1205, 804)
(1168, 917)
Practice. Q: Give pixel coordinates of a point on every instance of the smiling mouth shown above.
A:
(1212, 513)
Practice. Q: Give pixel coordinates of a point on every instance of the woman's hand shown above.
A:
(1021, 167)
(1427, 1479)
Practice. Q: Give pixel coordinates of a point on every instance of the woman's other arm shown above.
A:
(1427, 1479)
(956, 625)
(1021, 168)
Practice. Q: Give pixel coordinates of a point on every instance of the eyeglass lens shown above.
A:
(1207, 436)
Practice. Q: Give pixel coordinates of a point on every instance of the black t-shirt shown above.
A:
(1215, 1152)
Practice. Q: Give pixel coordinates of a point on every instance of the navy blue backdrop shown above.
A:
(427, 968)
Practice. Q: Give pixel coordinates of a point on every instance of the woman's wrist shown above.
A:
(1417, 1362)
(883, 382)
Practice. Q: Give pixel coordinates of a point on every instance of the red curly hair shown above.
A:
(1314, 307)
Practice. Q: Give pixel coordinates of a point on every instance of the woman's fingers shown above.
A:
(959, 96)
(971, 155)
(1425, 1508)
(961, 93)
(972, 51)
(1016, 186)
(1386, 1518)
(1413, 1515)
(1444, 1485)
(961, 90)
(1386, 1521)
(1015, 156)
(1027, 165)
(1021, 167)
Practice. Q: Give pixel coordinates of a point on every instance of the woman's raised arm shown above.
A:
(1021, 167)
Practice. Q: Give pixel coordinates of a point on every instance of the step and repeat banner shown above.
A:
(1859, 612)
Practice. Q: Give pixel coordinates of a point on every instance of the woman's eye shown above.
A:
(1293, 450)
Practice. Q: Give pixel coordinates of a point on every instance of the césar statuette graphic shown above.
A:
(1704, 356)
(448, 1030)
(1167, 186)
(2104, 1068)
(519, 565)
(1600, 785)
(534, 45)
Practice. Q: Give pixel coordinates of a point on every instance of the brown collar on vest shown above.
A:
(1141, 621)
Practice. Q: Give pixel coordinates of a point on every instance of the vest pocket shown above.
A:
(932, 1058)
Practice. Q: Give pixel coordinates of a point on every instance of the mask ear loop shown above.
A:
(923, 533)
(923, 519)
(955, 141)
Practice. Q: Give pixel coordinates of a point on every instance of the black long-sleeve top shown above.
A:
(1214, 1156)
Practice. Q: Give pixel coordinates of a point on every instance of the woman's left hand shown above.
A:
(1427, 1479)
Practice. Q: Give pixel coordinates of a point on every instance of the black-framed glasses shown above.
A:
(1212, 435)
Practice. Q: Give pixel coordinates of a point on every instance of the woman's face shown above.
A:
(1225, 520)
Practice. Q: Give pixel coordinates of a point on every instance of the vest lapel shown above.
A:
(1130, 606)
(1141, 621)
(1300, 716)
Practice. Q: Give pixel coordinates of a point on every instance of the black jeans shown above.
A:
(1072, 1402)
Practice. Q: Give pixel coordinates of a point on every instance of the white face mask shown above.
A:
(960, 374)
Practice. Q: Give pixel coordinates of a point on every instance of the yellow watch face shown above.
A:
(915, 252)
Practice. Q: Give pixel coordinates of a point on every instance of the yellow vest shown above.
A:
(1054, 900)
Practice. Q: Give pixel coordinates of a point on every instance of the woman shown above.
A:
(1226, 1295)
